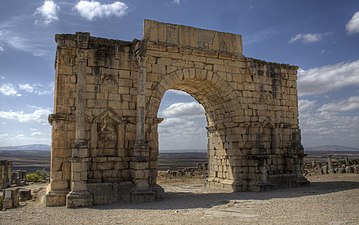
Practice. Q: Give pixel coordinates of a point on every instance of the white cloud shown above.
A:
(26, 87)
(34, 134)
(183, 126)
(305, 105)
(177, 92)
(20, 136)
(48, 12)
(38, 89)
(172, 127)
(4, 135)
(92, 9)
(177, 2)
(2, 78)
(182, 133)
(192, 109)
(353, 25)
(349, 104)
(17, 41)
(309, 38)
(9, 90)
(328, 78)
(323, 124)
(40, 115)
(259, 36)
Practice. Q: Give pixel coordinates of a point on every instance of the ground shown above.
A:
(331, 199)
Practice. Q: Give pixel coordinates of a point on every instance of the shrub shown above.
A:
(42, 173)
(33, 177)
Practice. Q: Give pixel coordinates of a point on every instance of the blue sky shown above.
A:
(322, 37)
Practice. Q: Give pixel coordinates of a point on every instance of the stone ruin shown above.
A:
(331, 166)
(18, 177)
(107, 95)
(10, 195)
(5, 174)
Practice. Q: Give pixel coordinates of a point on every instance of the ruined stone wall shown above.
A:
(107, 96)
(5, 174)
(109, 115)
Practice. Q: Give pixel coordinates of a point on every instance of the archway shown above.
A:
(183, 141)
(107, 96)
(217, 98)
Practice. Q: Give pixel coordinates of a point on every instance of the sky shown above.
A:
(321, 37)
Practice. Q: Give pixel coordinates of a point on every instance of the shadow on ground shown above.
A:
(190, 200)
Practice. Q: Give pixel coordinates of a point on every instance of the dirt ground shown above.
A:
(331, 199)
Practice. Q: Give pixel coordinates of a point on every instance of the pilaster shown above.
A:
(139, 164)
(79, 196)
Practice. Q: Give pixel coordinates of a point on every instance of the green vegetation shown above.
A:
(33, 177)
(37, 175)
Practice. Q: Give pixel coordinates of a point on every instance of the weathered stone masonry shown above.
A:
(107, 95)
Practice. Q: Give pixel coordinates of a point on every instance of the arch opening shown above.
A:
(183, 141)
(218, 107)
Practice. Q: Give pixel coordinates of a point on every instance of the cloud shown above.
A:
(177, 2)
(192, 109)
(171, 127)
(4, 135)
(26, 87)
(20, 136)
(305, 105)
(349, 104)
(259, 36)
(38, 89)
(16, 41)
(325, 124)
(328, 78)
(182, 133)
(40, 115)
(9, 90)
(48, 12)
(2, 78)
(177, 92)
(183, 126)
(35, 134)
(92, 9)
(353, 25)
(309, 38)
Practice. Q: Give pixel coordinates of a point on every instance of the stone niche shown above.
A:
(105, 126)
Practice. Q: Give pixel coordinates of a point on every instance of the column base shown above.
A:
(56, 198)
(139, 196)
(79, 199)
(223, 185)
(159, 191)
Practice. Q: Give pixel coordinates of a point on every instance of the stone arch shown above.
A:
(108, 90)
(221, 105)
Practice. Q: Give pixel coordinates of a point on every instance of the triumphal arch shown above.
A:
(105, 126)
